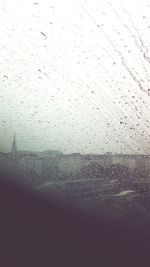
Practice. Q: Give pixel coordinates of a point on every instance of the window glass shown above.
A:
(74, 101)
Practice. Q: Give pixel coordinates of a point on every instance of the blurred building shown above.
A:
(14, 145)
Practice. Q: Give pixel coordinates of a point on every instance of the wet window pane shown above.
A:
(75, 94)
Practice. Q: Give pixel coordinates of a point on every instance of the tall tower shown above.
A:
(14, 145)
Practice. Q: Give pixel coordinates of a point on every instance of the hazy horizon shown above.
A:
(21, 149)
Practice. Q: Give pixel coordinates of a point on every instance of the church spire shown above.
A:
(14, 145)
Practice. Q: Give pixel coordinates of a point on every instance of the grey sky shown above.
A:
(74, 75)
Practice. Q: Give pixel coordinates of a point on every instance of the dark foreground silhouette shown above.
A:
(38, 232)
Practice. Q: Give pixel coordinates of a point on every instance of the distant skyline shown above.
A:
(14, 149)
(75, 75)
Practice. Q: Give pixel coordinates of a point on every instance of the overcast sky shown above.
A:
(75, 75)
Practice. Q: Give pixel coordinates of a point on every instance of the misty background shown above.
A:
(74, 75)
